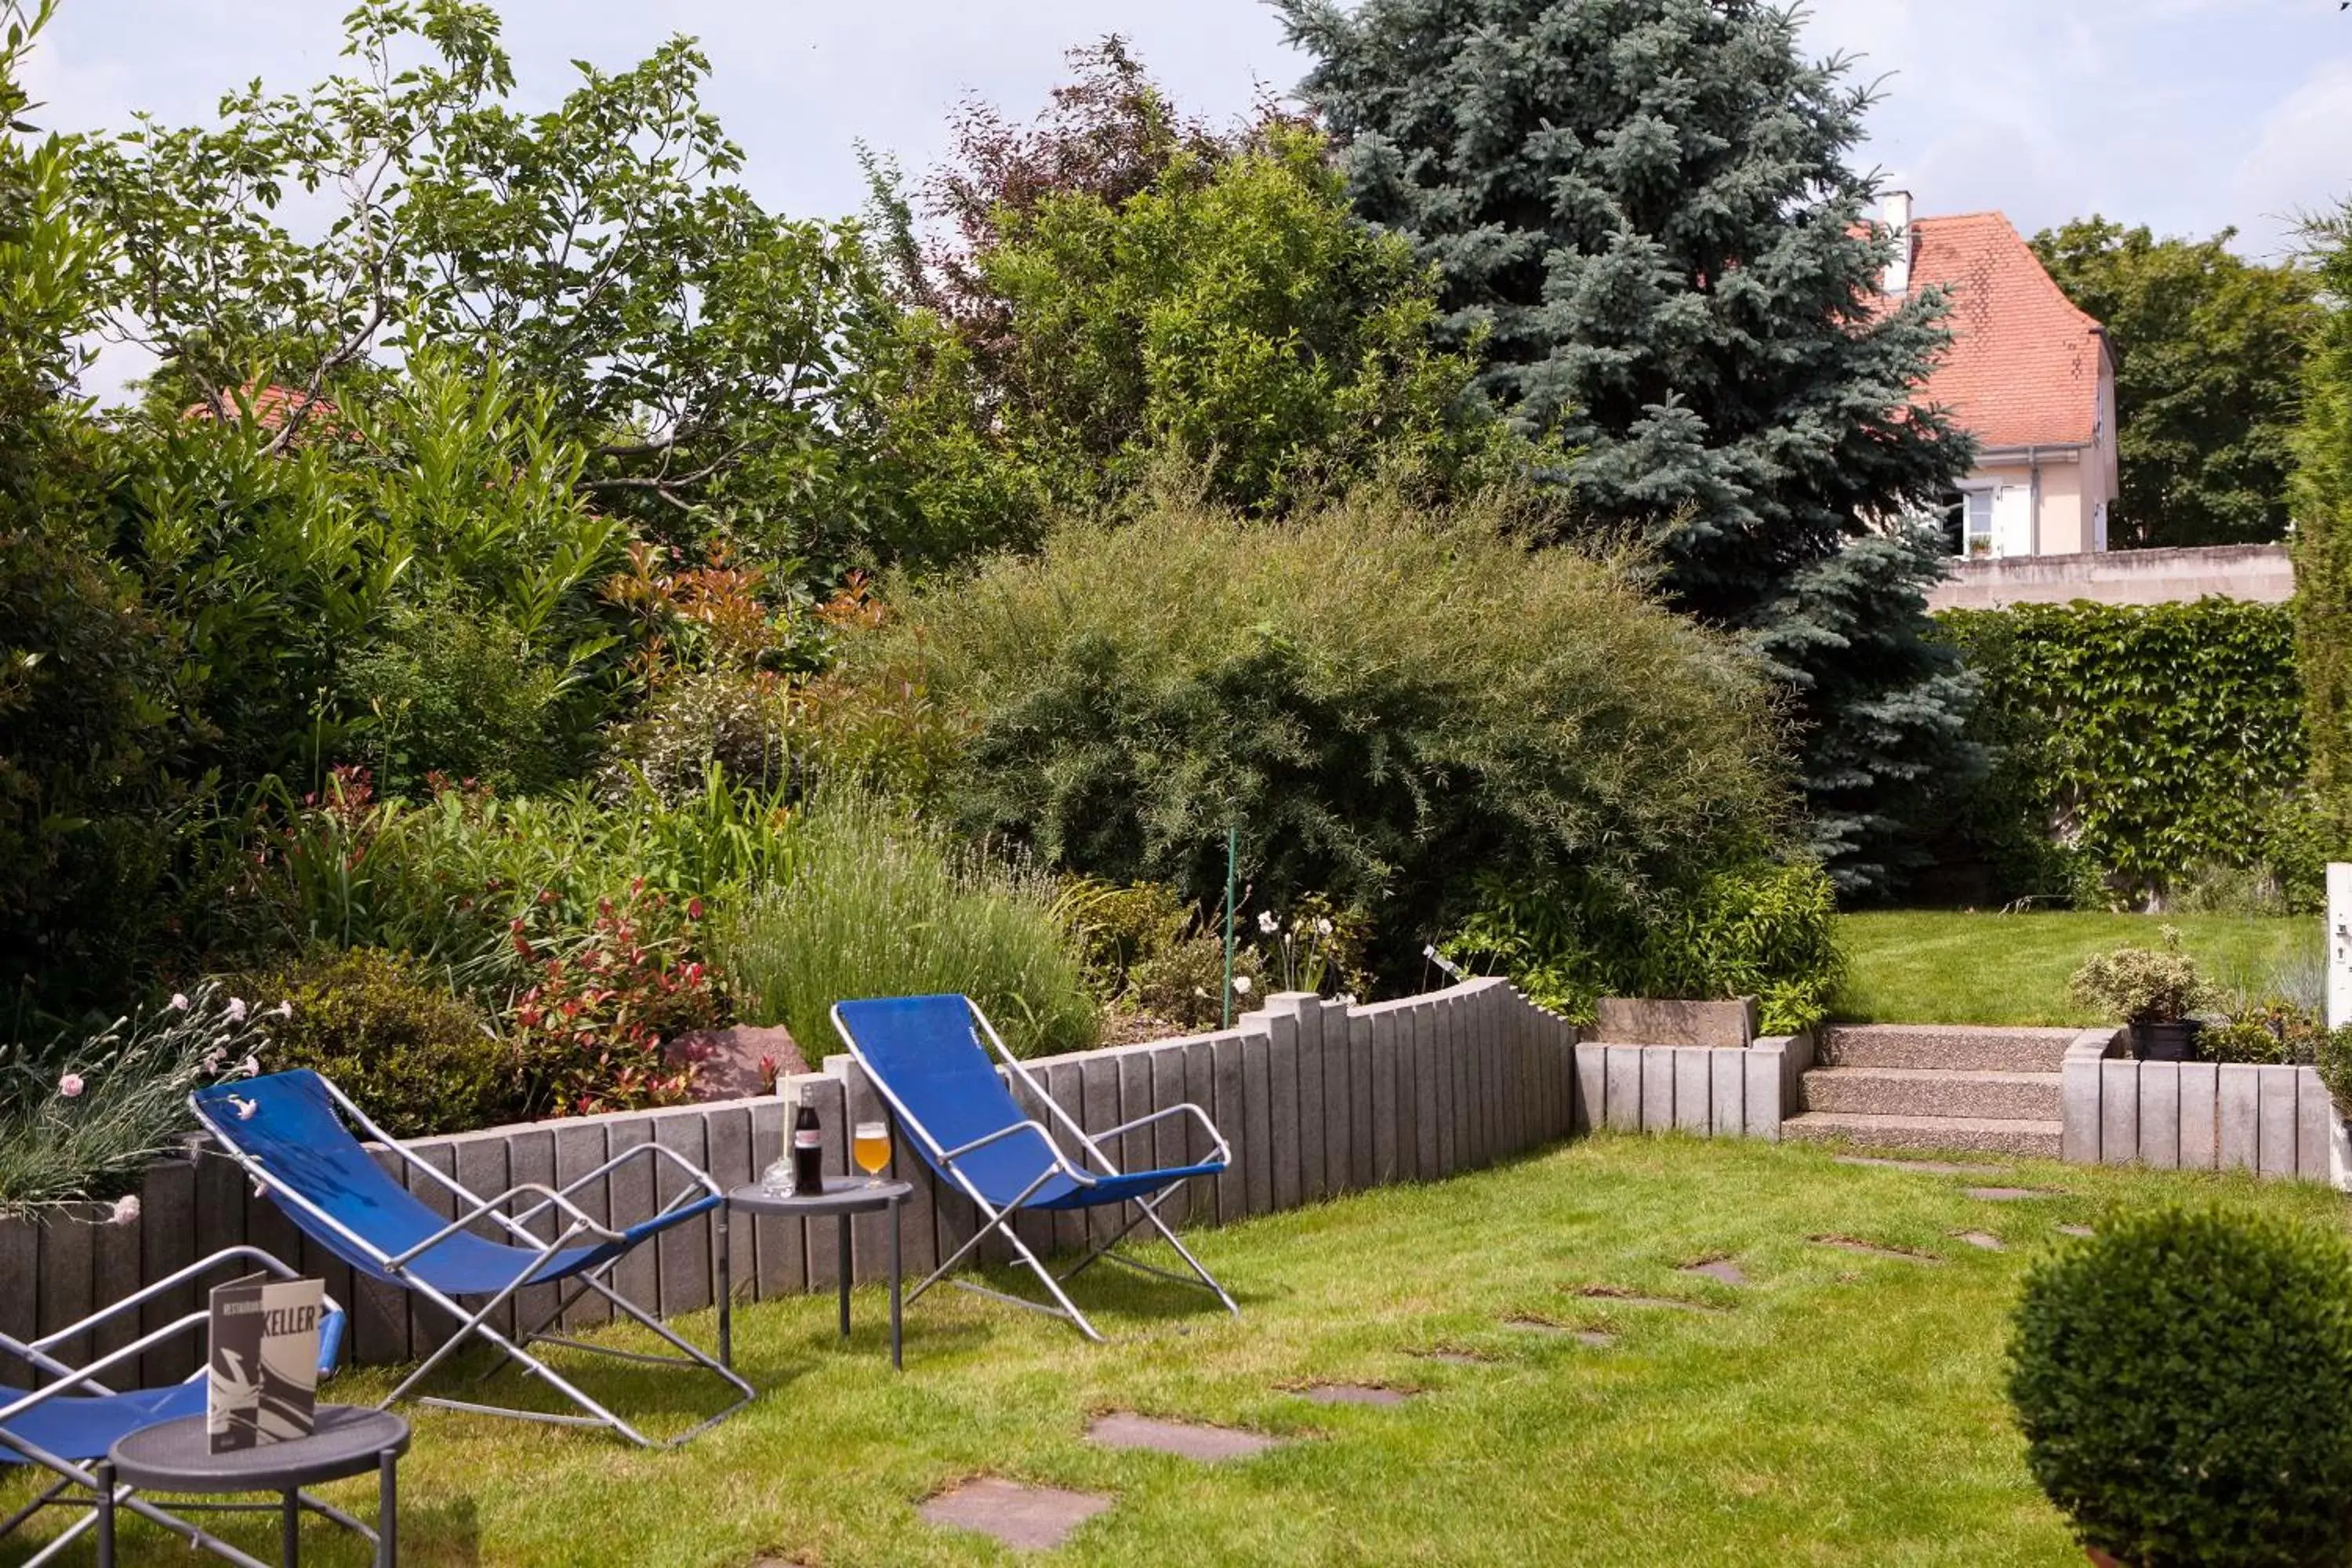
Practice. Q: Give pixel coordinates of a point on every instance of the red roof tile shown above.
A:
(2024, 368)
(270, 407)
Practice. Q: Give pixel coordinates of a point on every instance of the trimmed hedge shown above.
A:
(2136, 741)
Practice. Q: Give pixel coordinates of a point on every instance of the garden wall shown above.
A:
(2193, 1116)
(1711, 1091)
(1317, 1098)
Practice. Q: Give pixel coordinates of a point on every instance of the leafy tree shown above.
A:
(2323, 537)
(1123, 287)
(1644, 214)
(692, 342)
(2209, 350)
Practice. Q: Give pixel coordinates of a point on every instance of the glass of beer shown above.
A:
(869, 1145)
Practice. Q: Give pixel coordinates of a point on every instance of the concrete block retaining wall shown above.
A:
(1317, 1098)
(2193, 1116)
(1714, 1091)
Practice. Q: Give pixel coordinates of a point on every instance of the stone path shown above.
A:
(1185, 1439)
(1592, 1337)
(1627, 1299)
(1718, 1269)
(1031, 1518)
(2075, 1230)
(2009, 1194)
(1872, 1249)
(1925, 1167)
(1457, 1358)
(1353, 1393)
(1985, 1239)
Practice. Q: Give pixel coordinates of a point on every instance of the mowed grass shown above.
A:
(1939, 966)
(1840, 1408)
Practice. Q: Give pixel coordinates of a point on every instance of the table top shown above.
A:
(175, 1456)
(842, 1194)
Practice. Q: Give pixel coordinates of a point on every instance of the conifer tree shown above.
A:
(1648, 207)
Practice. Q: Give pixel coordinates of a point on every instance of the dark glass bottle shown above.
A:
(808, 1150)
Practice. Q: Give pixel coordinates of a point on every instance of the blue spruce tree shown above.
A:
(1644, 212)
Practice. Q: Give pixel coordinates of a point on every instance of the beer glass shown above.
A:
(871, 1147)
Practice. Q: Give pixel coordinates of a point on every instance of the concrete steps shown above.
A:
(1922, 1086)
(1925, 1133)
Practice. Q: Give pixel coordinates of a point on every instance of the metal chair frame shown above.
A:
(75, 1476)
(998, 1221)
(578, 1225)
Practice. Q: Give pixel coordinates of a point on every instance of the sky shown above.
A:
(2185, 115)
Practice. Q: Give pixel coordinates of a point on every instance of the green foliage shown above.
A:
(878, 905)
(416, 1058)
(1769, 931)
(2334, 1059)
(1384, 700)
(2239, 1040)
(2209, 353)
(2134, 984)
(82, 1116)
(2144, 740)
(2322, 501)
(1647, 224)
(2180, 1380)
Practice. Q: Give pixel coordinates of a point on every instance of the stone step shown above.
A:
(1933, 1091)
(1996, 1135)
(1960, 1047)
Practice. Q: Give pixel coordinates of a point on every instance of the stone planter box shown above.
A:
(1643, 1021)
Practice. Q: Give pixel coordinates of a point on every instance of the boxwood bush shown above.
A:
(2183, 1381)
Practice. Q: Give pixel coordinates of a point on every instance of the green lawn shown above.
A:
(1937, 967)
(1838, 1409)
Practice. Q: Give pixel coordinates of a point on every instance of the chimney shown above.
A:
(1895, 215)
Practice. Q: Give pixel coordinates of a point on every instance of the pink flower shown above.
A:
(179, 1003)
(284, 1009)
(126, 1210)
(70, 1085)
(236, 1009)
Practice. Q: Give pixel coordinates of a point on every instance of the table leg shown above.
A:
(896, 1361)
(289, 1546)
(841, 1230)
(387, 1509)
(105, 1473)
(726, 1293)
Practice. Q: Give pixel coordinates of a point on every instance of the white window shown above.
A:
(1975, 523)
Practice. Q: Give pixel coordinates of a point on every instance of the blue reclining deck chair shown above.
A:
(72, 1418)
(925, 1054)
(299, 1137)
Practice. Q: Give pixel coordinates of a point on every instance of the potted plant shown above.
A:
(2182, 1380)
(2152, 991)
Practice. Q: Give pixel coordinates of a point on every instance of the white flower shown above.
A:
(212, 1062)
(236, 1009)
(70, 1085)
(250, 1067)
(1323, 926)
(1240, 984)
(126, 1209)
(179, 1002)
(284, 1009)
(1267, 924)
(245, 1107)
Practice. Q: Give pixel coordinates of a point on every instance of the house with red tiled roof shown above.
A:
(2027, 373)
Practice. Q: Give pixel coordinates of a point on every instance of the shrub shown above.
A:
(2334, 1059)
(2141, 985)
(81, 1117)
(1769, 931)
(1382, 700)
(2239, 1040)
(878, 905)
(2181, 1380)
(416, 1057)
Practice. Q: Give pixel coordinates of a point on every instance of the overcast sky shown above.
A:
(2188, 115)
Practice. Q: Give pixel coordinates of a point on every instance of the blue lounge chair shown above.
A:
(73, 1416)
(925, 1056)
(299, 1137)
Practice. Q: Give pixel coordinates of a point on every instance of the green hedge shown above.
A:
(2133, 744)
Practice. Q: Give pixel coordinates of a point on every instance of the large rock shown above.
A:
(738, 1062)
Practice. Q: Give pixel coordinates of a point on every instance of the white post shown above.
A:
(2339, 944)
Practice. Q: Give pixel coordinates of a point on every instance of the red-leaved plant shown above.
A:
(593, 1026)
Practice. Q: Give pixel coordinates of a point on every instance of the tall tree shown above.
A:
(1647, 208)
(2208, 355)
(2323, 533)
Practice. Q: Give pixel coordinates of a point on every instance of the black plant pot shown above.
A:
(2172, 1042)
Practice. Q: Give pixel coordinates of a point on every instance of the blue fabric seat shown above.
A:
(931, 1056)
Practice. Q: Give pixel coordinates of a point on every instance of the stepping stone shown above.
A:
(2075, 1230)
(1990, 1242)
(1031, 1518)
(1925, 1167)
(1871, 1249)
(1592, 1337)
(1185, 1439)
(1627, 1299)
(2008, 1194)
(1353, 1393)
(1457, 1358)
(1718, 1268)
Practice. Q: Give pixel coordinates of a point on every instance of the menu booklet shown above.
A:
(263, 1385)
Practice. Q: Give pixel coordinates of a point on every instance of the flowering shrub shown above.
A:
(589, 1028)
(82, 1116)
